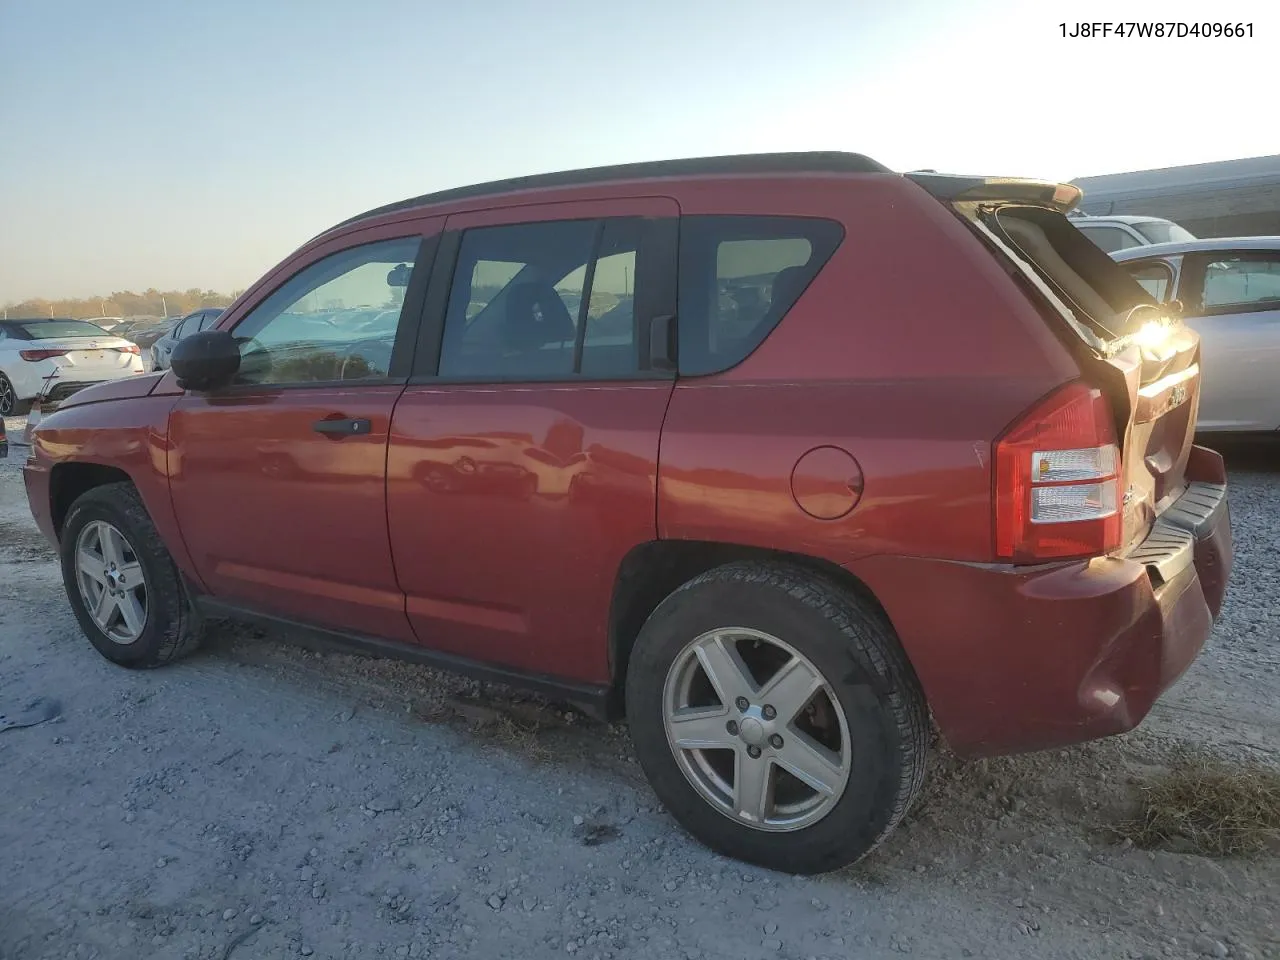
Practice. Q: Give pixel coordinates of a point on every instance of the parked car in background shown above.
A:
(468, 474)
(1122, 232)
(1229, 291)
(34, 353)
(162, 348)
(106, 323)
(146, 333)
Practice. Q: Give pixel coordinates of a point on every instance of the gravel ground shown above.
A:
(264, 799)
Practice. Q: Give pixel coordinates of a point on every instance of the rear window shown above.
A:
(1163, 231)
(60, 329)
(1100, 293)
(739, 275)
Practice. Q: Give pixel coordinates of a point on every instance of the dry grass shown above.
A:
(1210, 809)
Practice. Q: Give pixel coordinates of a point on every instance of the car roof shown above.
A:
(818, 161)
(1206, 244)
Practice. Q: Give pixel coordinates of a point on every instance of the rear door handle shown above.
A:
(343, 428)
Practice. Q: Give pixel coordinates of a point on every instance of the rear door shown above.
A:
(523, 460)
(1232, 298)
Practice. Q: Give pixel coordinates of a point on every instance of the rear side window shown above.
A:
(739, 275)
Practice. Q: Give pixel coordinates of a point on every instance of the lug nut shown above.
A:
(732, 727)
(769, 712)
(742, 703)
(776, 742)
(753, 752)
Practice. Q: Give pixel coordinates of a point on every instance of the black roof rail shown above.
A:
(816, 161)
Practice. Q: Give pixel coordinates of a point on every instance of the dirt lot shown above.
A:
(265, 800)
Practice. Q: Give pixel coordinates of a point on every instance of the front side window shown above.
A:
(1154, 277)
(544, 300)
(1248, 282)
(738, 276)
(334, 320)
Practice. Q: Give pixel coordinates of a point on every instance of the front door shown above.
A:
(279, 480)
(1233, 301)
(523, 459)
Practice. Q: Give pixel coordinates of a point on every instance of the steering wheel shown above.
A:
(379, 358)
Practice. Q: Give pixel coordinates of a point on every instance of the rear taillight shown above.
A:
(1057, 491)
(34, 355)
(130, 348)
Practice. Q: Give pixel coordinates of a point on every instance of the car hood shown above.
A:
(122, 389)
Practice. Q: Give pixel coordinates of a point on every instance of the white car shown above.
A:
(1229, 288)
(37, 354)
(1124, 231)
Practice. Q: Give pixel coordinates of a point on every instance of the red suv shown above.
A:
(790, 457)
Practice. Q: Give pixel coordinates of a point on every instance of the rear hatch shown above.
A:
(1146, 361)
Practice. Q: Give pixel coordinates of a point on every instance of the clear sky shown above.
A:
(180, 144)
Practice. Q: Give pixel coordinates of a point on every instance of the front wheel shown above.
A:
(123, 586)
(10, 405)
(776, 717)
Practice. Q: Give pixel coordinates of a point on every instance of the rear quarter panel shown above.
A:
(912, 351)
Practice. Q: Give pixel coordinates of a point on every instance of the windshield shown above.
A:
(1163, 231)
(60, 329)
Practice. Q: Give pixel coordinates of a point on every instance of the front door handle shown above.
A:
(343, 427)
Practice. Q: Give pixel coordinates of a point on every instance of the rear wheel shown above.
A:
(122, 584)
(777, 717)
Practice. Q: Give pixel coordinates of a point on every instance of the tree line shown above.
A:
(126, 303)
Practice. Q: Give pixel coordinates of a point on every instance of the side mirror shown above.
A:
(205, 360)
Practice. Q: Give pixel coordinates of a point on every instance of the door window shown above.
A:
(1242, 282)
(549, 300)
(334, 320)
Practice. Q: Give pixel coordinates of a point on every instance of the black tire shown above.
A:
(10, 404)
(851, 643)
(173, 628)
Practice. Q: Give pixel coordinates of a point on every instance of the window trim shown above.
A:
(407, 330)
(656, 252)
(1195, 267)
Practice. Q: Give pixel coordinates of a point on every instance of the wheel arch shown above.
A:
(70, 480)
(651, 571)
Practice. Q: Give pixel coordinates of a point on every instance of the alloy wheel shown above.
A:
(111, 581)
(756, 729)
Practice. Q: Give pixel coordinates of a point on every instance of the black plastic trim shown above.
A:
(426, 355)
(411, 311)
(596, 700)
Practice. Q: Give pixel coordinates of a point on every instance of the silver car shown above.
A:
(1229, 288)
(1122, 231)
(162, 349)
